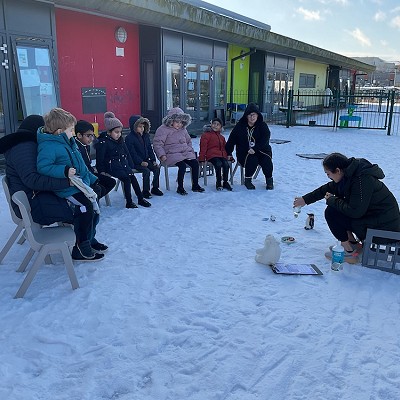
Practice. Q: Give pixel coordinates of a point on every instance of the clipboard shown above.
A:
(296, 269)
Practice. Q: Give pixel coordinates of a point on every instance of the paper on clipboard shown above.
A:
(296, 269)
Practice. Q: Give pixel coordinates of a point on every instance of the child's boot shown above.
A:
(197, 188)
(227, 186)
(83, 252)
(144, 203)
(156, 192)
(181, 191)
(270, 183)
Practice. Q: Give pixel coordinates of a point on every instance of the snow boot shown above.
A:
(181, 191)
(197, 188)
(270, 183)
(227, 186)
(84, 252)
(144, 203)
(156, 192)
(248, 184)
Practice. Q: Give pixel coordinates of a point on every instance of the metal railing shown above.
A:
(374, 110)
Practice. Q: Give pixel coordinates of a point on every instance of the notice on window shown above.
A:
(42, 57)
(30, 78)
(46, 89)
(22, 58)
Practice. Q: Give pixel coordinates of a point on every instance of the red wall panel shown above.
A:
(86, 48)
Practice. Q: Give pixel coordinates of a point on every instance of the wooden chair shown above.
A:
(43, 242)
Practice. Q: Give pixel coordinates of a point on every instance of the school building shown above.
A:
(145, 57)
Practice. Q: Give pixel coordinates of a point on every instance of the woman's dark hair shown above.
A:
(335, 160)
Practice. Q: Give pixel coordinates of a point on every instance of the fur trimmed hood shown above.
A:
(135, 120)
(177, 114)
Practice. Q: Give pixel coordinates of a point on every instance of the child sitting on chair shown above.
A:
(212, 149)
(58, 156)
(173, 146)
(84, 132)
(112, 158)
(141, 151)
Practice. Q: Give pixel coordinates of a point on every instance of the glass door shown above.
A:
(35, 74)
(219, 87)
(197, 92)
(204, 92)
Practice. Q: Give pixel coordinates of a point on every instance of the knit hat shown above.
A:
(111, 122)
(136, 120)
(31, 124)
(218, 120)
(177, 114)
(83, 126)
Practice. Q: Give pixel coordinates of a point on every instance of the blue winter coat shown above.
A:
(140, 148)
(112, 157)
(56, 154)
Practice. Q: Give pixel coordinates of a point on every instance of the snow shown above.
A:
(179, 309)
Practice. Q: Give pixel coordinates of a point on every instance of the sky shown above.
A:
(179, 308)
(353, 28)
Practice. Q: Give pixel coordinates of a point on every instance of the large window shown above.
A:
(307, 81)
(35, 73)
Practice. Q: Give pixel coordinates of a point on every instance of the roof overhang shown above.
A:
(184, 17)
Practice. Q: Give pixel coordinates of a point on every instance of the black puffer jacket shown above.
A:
(362, 197)
(20, 150)
(112, 157)
(241, 135)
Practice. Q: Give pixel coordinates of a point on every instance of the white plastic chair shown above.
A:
(167, 186)
(18, 232)
(43, 242)
(207, 168)
(242, 172)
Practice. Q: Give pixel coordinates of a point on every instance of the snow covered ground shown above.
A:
(180, 310)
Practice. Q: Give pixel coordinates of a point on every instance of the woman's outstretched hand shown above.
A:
(299, 202)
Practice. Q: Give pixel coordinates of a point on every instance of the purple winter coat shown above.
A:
(175, 144)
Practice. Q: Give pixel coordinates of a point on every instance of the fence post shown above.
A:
(289, 108)
(391, 110)
(336, 98)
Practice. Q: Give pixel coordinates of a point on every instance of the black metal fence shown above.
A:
(378, 109)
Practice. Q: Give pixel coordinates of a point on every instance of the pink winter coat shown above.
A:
(175, 144)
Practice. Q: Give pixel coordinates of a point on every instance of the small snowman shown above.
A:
(270, 253)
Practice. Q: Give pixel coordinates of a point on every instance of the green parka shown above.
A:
(362, 197)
